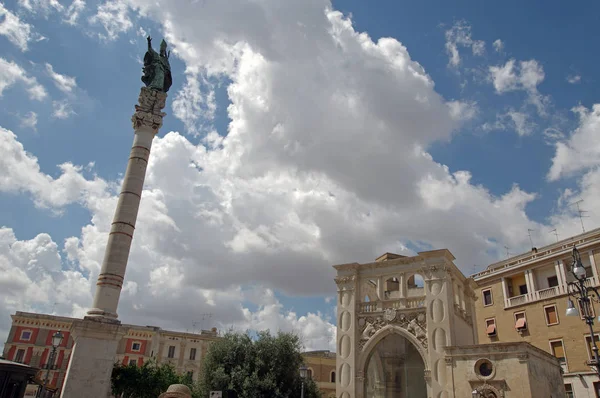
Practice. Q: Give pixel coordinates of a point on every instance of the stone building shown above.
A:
(321, 368)
(30, 342)
(524, 299)
(406, 327)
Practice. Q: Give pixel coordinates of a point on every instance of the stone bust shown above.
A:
(177, 391)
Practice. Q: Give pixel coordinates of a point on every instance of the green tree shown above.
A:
(265, 367)
(146, 381)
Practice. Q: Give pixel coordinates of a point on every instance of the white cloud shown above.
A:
(525, 76)
(114, 16)
(62, 109)
(43, 6)
(574, 79)
(460, 36)
(518, 121)
(64, 83)
(498, 45)
(16, 31)
(74, 11)
(581, 150)
(324, 162)
(191, 105)
(11, 73)
(29, 121)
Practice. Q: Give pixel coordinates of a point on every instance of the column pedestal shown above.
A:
(93, 358)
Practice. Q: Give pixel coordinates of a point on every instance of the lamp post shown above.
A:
(303, 372)
(56, 340)
(586, 296)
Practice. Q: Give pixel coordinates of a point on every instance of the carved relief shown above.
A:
(149, 111)
(345, 279)
(489, 391)
(414, 323)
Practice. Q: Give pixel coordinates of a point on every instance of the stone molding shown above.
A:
(96, 329)
(149, 111)
(414, 323)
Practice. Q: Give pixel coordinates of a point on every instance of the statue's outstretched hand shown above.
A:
(149, 39)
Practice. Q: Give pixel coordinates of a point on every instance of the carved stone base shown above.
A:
(148, 114)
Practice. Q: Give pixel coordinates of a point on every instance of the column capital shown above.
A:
(148, 114)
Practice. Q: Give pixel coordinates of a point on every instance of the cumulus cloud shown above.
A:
(324, 161)
(114, 17)
(29, 120)
(581, 150)
(11, 73)
(498, 45)
(64, 83)
(574, 79)
(62, 109)
(42, 6)
(525, 76)
(16, 31)
(460, 36)
(191, 105)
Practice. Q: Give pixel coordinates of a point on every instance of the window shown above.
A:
(332, 377)
(558, 350)
(569, 390)
(190, 374)
(523, 289)
(552, 281)
(520, 321)
(309, 373)
(192, 354)
(19, 355)
(487, 297)
(171, 351)
(26, 335)
(136, 346)
(588, 341)
(133, 362)
(551, 315)
(490, 327)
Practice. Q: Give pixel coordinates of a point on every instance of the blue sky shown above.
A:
(285, 180)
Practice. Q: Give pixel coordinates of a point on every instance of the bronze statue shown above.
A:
(157, 70)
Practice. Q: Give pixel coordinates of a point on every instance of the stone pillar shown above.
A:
(97, 336)
(347, 335)
(92, 358)
(147, 119)
(593, 264)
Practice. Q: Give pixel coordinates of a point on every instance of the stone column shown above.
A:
(97, 336)
(147, 119)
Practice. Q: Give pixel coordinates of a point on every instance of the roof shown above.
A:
(5, 364)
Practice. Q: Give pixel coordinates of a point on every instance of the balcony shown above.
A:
(398, 304)
(543, 294)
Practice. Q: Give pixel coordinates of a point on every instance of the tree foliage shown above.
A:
(266, 367)
(146, 381)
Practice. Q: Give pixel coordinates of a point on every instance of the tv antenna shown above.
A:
(507, 252)
(201, 321)
(581, 213)
(555, 233)
(529, 231)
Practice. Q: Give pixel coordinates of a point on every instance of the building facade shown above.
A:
(30, 342)
(406, 327)
(321, 368)
(524, 299)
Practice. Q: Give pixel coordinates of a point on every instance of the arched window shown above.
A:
(309, 373)
(332, 376)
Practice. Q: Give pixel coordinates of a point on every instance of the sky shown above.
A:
(298, 135)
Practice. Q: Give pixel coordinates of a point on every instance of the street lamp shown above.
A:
(586, 296)
(303, 374)
(57, 338)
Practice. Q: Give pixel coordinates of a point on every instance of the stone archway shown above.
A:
(389, 359)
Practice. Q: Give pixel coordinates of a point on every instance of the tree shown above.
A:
(265, 367)
(146, 381)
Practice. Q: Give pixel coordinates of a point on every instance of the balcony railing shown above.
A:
(399, 304)
(544, 294)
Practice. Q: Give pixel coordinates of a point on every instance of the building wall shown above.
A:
(153, 342)
(322, 365)
(571, 331)
(519, 371)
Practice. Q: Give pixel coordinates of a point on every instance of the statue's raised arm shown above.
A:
(157, 70)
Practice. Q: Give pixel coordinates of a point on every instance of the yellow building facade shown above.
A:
(524, 299)
(321, 368)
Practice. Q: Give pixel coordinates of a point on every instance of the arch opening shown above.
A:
(394, 368)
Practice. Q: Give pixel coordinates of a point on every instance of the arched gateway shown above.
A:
(395, 317)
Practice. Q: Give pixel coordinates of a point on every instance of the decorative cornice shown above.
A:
(149, 111)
